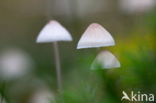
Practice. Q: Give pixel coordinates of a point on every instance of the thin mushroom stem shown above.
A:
(58, 66)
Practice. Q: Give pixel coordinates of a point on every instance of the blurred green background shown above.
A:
(132, 26)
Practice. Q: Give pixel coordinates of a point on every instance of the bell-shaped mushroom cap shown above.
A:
(95, 36)
(52, 32)
(106, 60)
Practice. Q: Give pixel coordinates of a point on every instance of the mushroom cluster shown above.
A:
(95, 36)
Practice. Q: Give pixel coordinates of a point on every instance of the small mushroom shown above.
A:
(54, 32)
(95, 36)
(106, 60)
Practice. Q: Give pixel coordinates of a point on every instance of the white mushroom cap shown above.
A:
(106, 60)
(52, 32)
(95, 36)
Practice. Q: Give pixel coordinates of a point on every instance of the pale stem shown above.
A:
(58, 66)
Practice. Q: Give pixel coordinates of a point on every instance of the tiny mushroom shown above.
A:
(95, 36)
(106, 60)
(52, 33)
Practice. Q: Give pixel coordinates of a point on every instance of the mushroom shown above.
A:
(95, 36)
(106, 60)
(52, 33)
